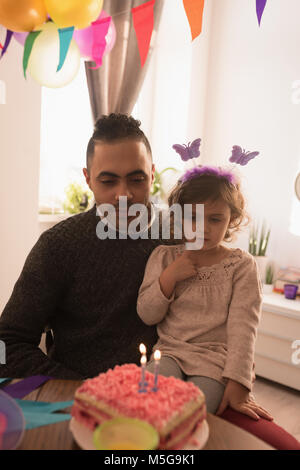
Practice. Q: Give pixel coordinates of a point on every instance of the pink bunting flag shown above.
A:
(100, 30)
(143, 22)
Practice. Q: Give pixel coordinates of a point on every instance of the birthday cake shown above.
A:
(175, 410)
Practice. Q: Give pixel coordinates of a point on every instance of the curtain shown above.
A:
(114, 87)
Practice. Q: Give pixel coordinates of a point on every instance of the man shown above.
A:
(81, 286)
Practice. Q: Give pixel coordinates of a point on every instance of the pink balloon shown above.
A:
(84, 38)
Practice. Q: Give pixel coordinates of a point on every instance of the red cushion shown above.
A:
(267, 431)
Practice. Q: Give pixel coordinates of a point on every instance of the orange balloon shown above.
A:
(22, 15)
(77, 13)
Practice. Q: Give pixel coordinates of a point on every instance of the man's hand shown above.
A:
(240, 399)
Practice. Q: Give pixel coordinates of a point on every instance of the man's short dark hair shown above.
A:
(112, 128)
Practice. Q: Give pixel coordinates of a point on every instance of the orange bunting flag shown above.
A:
(143, 22)
(194, 13)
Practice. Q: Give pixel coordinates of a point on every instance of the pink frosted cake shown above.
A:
(175, 410)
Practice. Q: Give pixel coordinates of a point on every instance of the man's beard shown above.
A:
(119, 220)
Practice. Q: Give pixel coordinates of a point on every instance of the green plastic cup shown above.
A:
(125, 434)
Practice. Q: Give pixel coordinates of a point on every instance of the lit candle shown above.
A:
(143, 349)
(157, 356)
(143, 384)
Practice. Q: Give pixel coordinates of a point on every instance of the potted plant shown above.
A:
(158, 192)
(77, 198)
(268, 285)
(258, 244)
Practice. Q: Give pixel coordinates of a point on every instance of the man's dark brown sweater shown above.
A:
(86, 290)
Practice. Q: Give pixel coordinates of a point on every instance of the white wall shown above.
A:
(249, 103)
(19, 176)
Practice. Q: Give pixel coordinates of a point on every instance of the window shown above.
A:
(66, 126)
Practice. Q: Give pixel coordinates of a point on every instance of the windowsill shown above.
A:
(49, 218)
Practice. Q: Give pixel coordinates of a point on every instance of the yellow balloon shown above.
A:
(77, 13)
(44, 59)
(22, 15)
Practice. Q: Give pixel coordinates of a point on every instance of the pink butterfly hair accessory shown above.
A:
(240, 156)
(208, 170)
(189, 151)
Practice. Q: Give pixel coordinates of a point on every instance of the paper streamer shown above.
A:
(100, 30)
(65, 38)
(25, 386)
(260, 6)
(38, 414)
(28, 48)
(3, 380)
(36, 420)
(29, 406)
(9, 35)
(194, 12)
(143, 22)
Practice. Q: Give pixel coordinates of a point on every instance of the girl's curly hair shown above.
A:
(208, 187)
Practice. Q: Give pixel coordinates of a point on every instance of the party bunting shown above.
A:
(143, 22)
(65, 38)
(9, 35)
(194, 12)
(28, 48)
(260, 6)
(100, 29)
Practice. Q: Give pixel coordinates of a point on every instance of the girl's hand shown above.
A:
(240, 399)
(183, 267)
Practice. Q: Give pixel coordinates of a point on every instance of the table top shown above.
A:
(222, 434)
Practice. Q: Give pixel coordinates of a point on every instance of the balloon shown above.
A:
(21, 37)
(22, 15)
(84, 38)
(77, 13)
(44, 59)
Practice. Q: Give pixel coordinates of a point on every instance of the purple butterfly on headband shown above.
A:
(188, 151)
(241, 157)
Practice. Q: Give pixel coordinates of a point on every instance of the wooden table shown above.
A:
(222, 434)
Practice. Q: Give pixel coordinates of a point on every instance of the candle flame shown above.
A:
(157, 355)
(143, 360)
(142, 348)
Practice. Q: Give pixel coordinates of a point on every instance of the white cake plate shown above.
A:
(84, 436)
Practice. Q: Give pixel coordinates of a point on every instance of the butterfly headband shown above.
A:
(192, 150)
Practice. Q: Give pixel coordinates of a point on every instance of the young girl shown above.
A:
(206, 302)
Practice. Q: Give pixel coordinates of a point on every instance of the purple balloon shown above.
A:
(13, 424)
(84, 38)
(21, 37)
